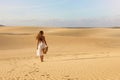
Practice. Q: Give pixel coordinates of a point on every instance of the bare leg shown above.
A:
(41, 57)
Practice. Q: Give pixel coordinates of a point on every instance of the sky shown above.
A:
(63, 13)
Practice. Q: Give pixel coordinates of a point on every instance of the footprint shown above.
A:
(47, 75)
(26, 75)
(67, 77)
(42, 75)
(36, 70)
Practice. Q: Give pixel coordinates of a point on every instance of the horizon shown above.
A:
(63, 13)
(62, 26)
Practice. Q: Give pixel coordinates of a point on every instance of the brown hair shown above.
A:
(39, 35)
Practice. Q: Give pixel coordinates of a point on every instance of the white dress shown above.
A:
(41, 46)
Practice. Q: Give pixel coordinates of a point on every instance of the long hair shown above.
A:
(39, 35)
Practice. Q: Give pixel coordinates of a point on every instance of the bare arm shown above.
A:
(37, 43)
(45, 40)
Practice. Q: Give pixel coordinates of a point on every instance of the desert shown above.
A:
(74, 54)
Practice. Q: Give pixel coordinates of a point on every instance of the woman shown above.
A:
(41, 45)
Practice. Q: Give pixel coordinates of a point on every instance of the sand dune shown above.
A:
(74, 54)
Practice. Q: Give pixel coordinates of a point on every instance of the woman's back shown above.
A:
(41, 38)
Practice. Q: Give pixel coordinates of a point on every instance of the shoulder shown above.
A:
(43, 37)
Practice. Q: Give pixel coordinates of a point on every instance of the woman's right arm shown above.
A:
(37, 43)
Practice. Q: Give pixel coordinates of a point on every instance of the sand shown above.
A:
(74, 54)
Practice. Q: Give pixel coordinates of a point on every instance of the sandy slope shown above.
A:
(74, 54)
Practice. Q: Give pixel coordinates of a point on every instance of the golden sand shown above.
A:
(74, 54)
